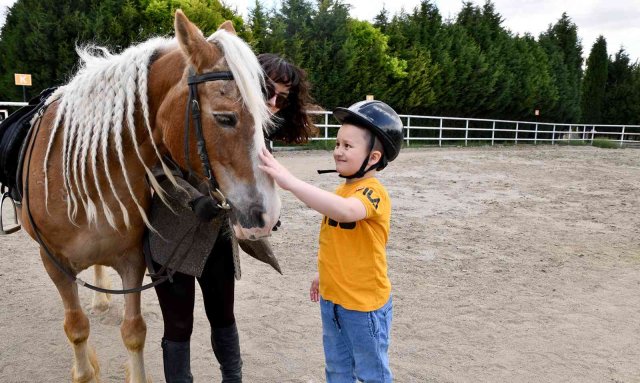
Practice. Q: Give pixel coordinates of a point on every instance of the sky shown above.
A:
(617, 20)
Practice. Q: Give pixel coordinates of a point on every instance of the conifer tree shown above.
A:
(622, 95)
(595, 82)
(561, 43)
(381, 21)
(325, 59)
(259, 27)
(39, 37)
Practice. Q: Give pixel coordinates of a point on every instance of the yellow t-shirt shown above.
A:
(352, 260)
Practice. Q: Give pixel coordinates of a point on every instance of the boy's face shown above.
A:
(352, 147)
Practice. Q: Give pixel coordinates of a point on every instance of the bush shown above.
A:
(605, 143)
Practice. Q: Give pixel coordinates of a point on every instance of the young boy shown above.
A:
(352, 286)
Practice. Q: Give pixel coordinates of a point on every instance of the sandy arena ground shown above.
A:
(515, 264)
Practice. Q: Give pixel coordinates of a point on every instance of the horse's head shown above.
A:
(233, 114)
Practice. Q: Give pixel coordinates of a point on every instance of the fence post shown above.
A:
(408, 131)
(493, 132)
(326, 126)
(517, 124)
(466, 132)
(553, 135)
(535, 135)
(440, 139)
(588, 133)
(622, 136)
(593, 132)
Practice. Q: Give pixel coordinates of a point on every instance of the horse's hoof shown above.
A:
(90, 376)
(100, 304)
(129, 379)
(99, 309)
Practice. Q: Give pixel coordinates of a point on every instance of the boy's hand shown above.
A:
(314, 292)
(280, 174)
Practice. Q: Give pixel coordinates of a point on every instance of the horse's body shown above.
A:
(87, 189)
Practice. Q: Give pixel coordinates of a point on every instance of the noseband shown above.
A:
(193, 106)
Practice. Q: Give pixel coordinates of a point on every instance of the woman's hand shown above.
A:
(280, 174)
(205, 208)
(314, 291)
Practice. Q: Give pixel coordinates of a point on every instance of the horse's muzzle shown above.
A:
(253, 218)
(250, 223)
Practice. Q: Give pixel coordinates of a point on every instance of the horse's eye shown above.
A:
(226, 120)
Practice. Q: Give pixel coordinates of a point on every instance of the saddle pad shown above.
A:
(13, 133)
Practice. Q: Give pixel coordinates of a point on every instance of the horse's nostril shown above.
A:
(256, 214)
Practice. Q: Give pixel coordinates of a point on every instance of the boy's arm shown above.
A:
(338, 208)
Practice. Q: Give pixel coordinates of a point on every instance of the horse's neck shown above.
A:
(164, 75)
(167, 102)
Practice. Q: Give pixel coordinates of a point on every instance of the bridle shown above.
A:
(193, 106)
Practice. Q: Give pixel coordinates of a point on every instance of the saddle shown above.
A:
(14, 131)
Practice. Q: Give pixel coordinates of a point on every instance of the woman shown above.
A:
(201, 245)
(288, 99)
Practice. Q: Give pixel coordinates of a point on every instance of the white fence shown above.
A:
(11, 103)
(433, 130)
(4, 113)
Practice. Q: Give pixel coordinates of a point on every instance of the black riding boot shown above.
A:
(226, 347)
(177, 361)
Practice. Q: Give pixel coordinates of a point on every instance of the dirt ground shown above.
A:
(508, 264)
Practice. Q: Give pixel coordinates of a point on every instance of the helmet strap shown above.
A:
(380, 164)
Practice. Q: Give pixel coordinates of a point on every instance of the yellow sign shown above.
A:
(369, 97)
(22, 79)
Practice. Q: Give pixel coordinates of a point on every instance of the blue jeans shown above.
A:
(356, 343)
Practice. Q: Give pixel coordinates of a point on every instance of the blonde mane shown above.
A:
(249, 78)
(96, 112)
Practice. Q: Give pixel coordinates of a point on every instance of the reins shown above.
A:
(194, 107)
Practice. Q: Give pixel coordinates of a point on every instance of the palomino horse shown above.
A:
(87, 175)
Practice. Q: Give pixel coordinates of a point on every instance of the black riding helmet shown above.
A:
(382, 121)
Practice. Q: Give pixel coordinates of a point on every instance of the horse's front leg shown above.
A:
(76, 326)
(133, 329)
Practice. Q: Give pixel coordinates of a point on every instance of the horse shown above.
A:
(87, 174)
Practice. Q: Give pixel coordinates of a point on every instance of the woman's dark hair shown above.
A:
(294, 125)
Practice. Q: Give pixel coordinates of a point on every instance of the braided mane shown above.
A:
(95, 115)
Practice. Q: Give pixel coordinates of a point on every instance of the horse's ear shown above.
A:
(228, 26)
(191, 40)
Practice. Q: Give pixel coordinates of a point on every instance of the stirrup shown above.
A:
(17, 226)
